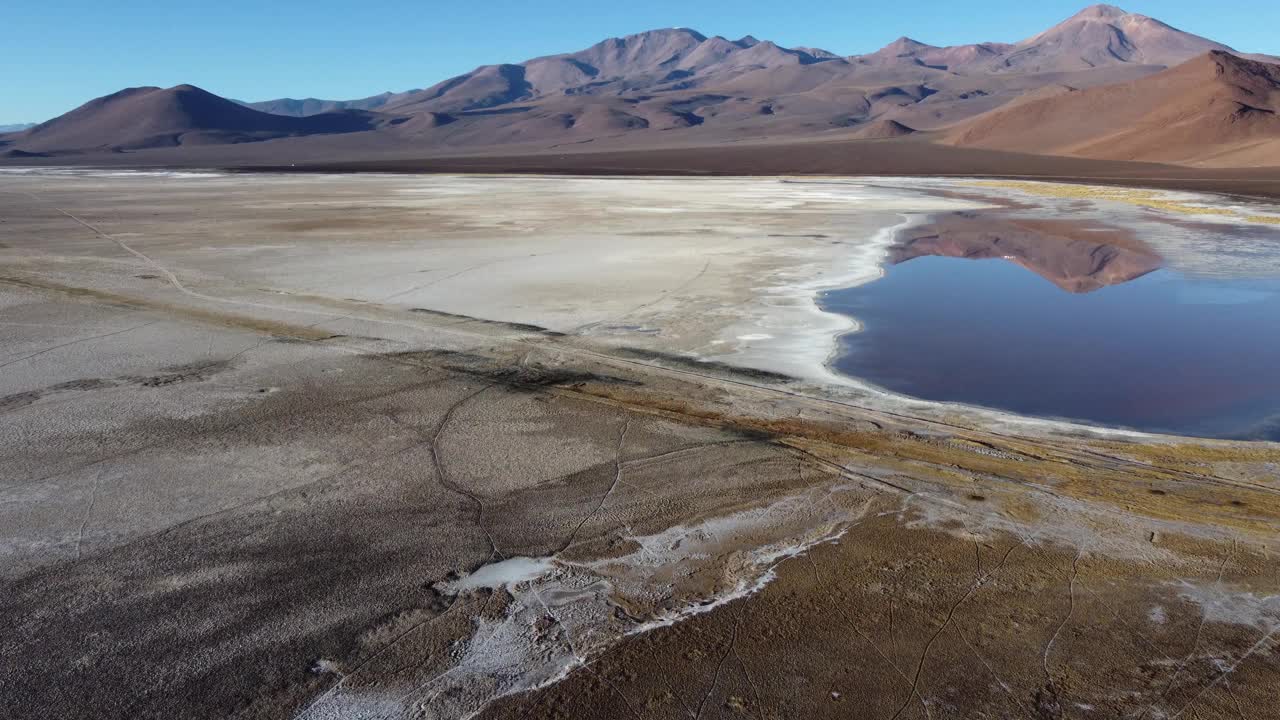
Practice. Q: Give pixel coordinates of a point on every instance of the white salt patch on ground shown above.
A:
(99, 173)
(1157, 615)
(804, 337)
(511, 571)
(519, 652)
(354, 706)
(1221, 604)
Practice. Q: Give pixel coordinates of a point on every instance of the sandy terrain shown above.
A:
(391, 446)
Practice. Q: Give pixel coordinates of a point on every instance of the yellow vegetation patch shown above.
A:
(1181, 453)
(1141, 198)
(1160, 481)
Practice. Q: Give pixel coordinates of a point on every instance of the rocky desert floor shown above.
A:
(344, 446)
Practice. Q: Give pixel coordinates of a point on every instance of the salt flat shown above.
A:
(716, 266)
(260, 431)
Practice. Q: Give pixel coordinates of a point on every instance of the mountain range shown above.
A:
(1102, 84)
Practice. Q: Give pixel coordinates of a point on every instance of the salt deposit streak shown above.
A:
(805, 348)
(518, 652)
(1220, 603)
(88, 172)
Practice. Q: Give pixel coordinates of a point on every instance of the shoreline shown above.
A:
(818, 346)
(1115, 208)
(890, 399)
(775, 278)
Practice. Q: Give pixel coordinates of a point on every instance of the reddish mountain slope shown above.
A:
(883, 130)
(1217, 109)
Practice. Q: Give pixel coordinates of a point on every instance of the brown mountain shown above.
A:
(679, 88)
(906, 51)
(883, 130)
(314, 106)
(1217, 109)
(680, 59)
(150, 117)
(659, 61)
(1100, 45)
(710, 89)
(1104, 35)
(1097, 37)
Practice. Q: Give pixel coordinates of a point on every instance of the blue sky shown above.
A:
(58, 54)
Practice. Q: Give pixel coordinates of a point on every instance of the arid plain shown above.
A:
(338, 446)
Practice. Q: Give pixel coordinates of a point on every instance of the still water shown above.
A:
(1162, 353)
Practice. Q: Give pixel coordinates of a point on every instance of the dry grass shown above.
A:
(1165, 482)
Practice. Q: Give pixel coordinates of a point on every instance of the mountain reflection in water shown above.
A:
(1126, 344)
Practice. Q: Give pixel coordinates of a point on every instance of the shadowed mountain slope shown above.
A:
(148, 117)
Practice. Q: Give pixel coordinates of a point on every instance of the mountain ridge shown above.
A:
(663, 86)
(584, 72)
